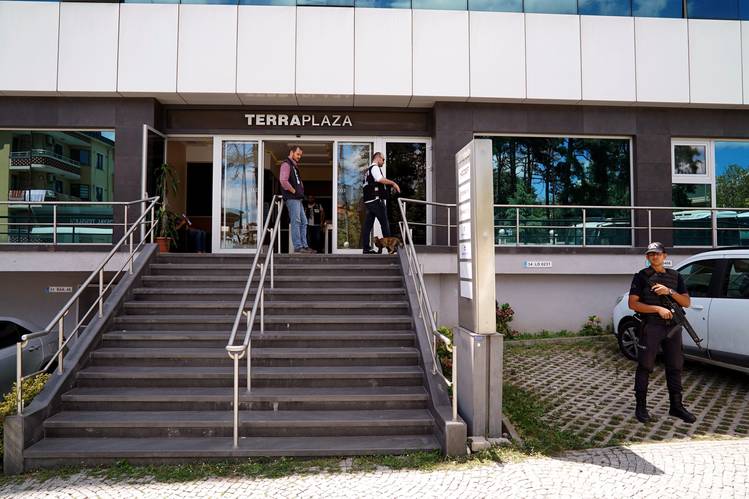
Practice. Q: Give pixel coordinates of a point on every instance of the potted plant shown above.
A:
(166, 221)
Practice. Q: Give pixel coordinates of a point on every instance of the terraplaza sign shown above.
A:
(332, 120)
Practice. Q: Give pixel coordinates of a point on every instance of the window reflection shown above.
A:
(496, 5)
(440, 4)
(744, 9)
(605, 7)
(385, 4)
(713, 9)
(267, 2)
(325, 3)
(657, 8)
(693, 227)
(732, 191)
(551, 6)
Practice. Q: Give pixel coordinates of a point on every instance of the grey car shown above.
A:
(36, 353)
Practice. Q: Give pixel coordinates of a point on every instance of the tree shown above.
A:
(733, 188)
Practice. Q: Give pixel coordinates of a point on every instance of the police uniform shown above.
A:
(654, 334)
(314, 224)
(375, 195)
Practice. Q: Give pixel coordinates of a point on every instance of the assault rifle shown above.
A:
(678, 316)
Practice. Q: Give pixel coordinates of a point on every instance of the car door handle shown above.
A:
(698, 307)
(33, 348)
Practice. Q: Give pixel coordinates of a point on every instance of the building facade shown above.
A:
(605, 104)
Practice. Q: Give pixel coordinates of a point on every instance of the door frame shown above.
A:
(144, 168)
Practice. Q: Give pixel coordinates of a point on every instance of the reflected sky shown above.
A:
(657, 8)
(551, 6)
(496, 5)
(440, 4)
(731, 153)
(713, 9)
(604, 7)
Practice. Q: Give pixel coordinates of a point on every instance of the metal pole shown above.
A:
(448, 226)
(101, 293)
(650, 226)
(54, 224)
(19, 376)
(455, 382)
(60, 341)
(262, 310)
(249, 355)
(153, 223)
(584, 231)
(236, 400)
(517, 226)
(271, 267)
(715, 227)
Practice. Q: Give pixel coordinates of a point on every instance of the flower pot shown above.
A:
(164, 244)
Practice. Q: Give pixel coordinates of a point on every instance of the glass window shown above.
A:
(605, 7)
(149, 1)
(658, 8)
(496, 5)
(561, 171)
(406, 165)
(692, 227)
(211, 2)
(440, 4)
(713, 9)
(326, 3)
(353, 160)
(697, 277)
(385, 4)
(744, 9)
(551, 6)
(737, 285)
(732, 191)
(38, 166)
(239, 210)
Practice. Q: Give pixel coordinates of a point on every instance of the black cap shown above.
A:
(655, 247)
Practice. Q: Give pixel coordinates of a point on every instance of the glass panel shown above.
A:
(713, 9)
(326, 3)
(690, 159)
(693, 227)
(660, 8)
(561, 171)
(211, 2)
(551, 6)
(496, 5)
(737, 285)
(744, 9)
(440, 4)
(732, 191)
(239, 214)
(697, 277)
(56, 166)
(353, 160)
(150, 1)
(267, 2)
(392, 4)
(605, 7)
(406, 165)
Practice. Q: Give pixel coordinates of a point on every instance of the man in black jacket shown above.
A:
(648, 286)
(375, 195)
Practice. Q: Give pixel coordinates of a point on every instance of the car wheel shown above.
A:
(627, 338)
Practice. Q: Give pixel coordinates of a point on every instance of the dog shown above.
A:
(391, 243)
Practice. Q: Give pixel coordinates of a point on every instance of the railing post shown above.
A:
(19, 376)
(60, 341)
(448, 226)
(101, 292)
(650, 225)
(454, 380)
(517, 226)
(236, 399)
(714, 218)
(584, 222)
(54, 224)
(153, 223)
(270, 248)
(249, 355)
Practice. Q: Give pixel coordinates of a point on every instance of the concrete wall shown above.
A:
(220, 54)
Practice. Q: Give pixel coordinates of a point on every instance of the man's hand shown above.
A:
(397, 189)
(660, 290)
(665, 313)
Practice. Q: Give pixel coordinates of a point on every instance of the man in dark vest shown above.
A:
(375, 195)
(648, 286)
(292, 189)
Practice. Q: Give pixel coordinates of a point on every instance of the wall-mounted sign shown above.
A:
(297, 120)
(537, 264)
(59, 289)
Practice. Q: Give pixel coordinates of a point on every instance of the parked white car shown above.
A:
(36, 353)
(718, 284)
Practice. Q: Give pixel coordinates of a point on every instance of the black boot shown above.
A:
(678, 410)
(641, 408)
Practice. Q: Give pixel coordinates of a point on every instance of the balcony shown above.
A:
(46, 161)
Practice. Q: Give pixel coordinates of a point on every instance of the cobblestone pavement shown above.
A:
(589, 390)
(686, 469)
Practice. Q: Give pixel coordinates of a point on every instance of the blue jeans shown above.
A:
(297, 223)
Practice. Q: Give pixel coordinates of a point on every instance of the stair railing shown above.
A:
(425, 309)
(236, 352)
(149, 220)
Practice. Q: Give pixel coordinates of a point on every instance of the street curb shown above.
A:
(566, 339)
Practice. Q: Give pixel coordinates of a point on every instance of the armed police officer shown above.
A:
(648, 286)
(375, 187)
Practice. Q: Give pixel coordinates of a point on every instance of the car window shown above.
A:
(697, 276)
(10, 333)
(737, 285)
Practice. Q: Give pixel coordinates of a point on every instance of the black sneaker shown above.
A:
(369, 252)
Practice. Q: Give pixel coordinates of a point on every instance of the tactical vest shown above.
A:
(669, 278)
(295, 180)
(316, 214)
(373, 189)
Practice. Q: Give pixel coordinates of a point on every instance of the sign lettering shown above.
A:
(299, 120)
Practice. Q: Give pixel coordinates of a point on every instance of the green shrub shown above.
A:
(31, 388)
(592, 327)
(443, 354)
(505, 314)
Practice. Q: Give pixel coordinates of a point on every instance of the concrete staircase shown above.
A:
(337, 371)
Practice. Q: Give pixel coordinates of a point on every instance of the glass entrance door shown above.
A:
(235, 198)
(352, 160)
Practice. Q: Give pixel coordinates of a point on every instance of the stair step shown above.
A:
(220, 398)
(272, 322)
(235, 294)
(281, 281)
(208, 376)
(238, 258)
(51, 452)
(294, 339)
(180, 424)
(272, 307)
(281, 269)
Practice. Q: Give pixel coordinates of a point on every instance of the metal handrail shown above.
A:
(236, 352)
(425, 310)
(586, 219)
(59, 319)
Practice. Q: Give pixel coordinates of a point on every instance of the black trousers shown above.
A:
(652, 336)
(315, 238)
(375, 209)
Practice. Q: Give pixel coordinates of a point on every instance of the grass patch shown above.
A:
(526, 411)
(544, 334)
